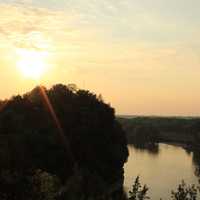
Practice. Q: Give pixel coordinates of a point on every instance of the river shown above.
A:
(162, 168)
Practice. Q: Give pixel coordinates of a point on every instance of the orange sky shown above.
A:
(141, 55)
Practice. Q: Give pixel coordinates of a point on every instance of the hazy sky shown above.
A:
(143, 56)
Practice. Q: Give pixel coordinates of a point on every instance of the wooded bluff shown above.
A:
(91, 165)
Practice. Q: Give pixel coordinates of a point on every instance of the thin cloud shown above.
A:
(22, 25)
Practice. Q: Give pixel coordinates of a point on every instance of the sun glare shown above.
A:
(32, 64)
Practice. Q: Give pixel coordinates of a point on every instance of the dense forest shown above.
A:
(151, 130)
(60, 143)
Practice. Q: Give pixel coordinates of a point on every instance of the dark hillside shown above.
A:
(30, 140)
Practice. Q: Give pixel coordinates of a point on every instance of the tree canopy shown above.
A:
(30, 138)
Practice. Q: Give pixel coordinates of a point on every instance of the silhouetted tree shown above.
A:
(96, 139)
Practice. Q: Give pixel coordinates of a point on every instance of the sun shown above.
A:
(32, 64)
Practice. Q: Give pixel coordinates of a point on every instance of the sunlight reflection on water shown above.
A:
(162, 171)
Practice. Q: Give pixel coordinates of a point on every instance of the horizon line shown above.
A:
(157, 116)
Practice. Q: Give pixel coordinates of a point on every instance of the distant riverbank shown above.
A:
(171, 130)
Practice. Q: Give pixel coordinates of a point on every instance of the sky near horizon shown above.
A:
(143, 56)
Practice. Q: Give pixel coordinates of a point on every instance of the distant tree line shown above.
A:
(148, 130)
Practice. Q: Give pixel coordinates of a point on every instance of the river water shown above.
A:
(162, 168)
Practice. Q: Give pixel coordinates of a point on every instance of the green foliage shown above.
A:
(37, 185)
(45, 185)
